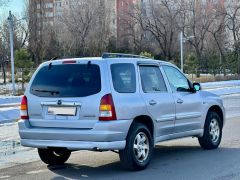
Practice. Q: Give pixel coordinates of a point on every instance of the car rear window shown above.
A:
(70, 80)
(124, 77)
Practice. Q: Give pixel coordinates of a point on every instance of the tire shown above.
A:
(54, 156)
(212, 131)
(139, 141)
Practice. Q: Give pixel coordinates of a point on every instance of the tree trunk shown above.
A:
(4, 72)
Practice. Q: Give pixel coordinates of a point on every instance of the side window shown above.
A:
(177, 80)
(152, 79)
(124, 77)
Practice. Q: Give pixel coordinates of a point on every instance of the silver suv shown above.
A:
(124, 103)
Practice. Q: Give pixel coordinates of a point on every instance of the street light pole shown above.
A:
(3, 60)
(182, 40)
(10, 24)
(181, 45)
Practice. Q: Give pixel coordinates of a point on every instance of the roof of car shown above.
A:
(109, 59)
(112, 57)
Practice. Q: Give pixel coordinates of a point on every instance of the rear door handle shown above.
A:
(179, 101)
(152, 102)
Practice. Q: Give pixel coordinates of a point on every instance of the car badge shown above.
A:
(59, 102)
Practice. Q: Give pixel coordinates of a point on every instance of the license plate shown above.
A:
(62, 111)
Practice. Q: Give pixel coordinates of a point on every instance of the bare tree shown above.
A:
(233, 25)
(19, 35)
(3, 58)
(102, 32)
(217, 30)
(35, 25)
(87, 25)
(42, 39)
(135, 35)
(3, 51)
(159, 19)
(4, 2)
(79, 20)
(199, 20)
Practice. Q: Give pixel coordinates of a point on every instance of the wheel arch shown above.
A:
(218, 110)
(147, 121)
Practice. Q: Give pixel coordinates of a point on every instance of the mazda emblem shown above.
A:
(59, 102)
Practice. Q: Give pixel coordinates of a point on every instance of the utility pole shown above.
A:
(3, 60)
(10, 24)
(181, 46)
(182, 40)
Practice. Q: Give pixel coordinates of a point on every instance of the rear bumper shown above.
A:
(104, 136)
(74, 145)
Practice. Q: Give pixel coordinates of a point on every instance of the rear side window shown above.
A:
(152, 79)
(124, 77)
(71, 80)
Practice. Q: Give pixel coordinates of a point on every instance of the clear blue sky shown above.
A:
(16, 6)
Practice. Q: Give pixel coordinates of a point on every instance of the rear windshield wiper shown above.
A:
(46, 91)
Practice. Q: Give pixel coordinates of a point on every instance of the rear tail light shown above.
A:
(24, 108)
(107, 109)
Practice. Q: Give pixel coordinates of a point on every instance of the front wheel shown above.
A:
(139, 148)
(212, 131)
(54, 156)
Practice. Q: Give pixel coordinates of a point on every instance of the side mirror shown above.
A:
(197, 87)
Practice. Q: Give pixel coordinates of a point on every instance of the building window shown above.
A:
(58, 4)
(49, 14)
(58, 14)
(49, 5)
(38, 15)
(47, 23)
(38, 6)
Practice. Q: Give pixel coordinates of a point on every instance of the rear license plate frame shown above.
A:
(62, 110)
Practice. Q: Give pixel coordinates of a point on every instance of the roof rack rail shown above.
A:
(121, 55)
(54, 58)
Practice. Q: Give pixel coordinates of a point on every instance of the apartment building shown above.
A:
(124, 27)
(53, 12)
(42, 10)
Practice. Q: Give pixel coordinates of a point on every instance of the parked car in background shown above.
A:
(118, 102)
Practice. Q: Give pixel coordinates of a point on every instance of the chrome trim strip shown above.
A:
(168, 118)
(55, 103)
(188, 116)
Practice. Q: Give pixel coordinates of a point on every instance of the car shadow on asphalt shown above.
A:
(173, 160)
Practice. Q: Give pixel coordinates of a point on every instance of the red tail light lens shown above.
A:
(107, 110)
(24, 108)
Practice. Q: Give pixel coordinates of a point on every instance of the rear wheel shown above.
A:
(54, 156)
(212, 131)
(139, 148)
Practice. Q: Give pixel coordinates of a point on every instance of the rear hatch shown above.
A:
(65, 96)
